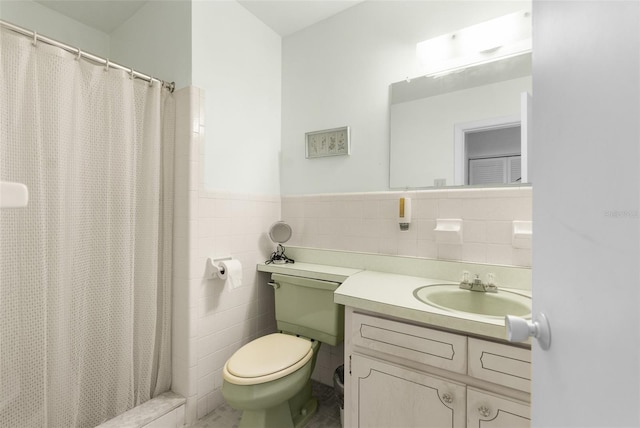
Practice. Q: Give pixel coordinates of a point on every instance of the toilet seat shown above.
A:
(267, 358)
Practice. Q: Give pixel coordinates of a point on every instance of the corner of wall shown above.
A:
(211, 319)
(157, 40)
(47, 22)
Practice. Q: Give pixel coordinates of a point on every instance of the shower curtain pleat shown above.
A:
(85, 269)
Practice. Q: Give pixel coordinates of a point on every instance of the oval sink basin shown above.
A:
(496, 305)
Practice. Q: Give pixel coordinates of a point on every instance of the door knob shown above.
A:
(519, 330)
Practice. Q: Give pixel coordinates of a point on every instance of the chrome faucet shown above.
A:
(477, 285)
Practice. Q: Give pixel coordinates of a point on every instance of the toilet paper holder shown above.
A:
(214, 270)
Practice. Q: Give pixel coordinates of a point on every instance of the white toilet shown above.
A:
(269, 379)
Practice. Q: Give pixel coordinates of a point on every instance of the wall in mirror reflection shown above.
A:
(428, 114)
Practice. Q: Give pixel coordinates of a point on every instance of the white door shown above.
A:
(586, 245)
(526, 111)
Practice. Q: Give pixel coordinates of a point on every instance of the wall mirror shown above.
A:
(468, 127)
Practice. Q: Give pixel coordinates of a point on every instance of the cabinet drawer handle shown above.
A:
(447, 398)
(484, 411)
(274, 284)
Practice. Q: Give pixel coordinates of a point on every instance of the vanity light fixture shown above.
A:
(488, 41)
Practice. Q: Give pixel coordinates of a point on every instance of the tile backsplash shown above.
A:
(368, 222)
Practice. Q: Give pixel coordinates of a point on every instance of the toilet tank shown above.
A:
(305, 306)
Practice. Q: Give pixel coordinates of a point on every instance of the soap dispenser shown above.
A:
(404, 215)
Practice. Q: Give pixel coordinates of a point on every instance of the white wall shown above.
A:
(586, 200)
(337, 73)
(237, 61)
(156, 40)
(35, 17)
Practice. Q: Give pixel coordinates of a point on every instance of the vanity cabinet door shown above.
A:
(385, 395)
(489, 410)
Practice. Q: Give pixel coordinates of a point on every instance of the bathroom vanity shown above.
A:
(410, 375)
(414, 366)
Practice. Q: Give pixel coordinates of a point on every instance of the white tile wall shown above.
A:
(211, 321)
(229, 225)
(182, 319)
(367, 222)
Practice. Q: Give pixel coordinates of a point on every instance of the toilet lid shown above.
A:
(268, 358)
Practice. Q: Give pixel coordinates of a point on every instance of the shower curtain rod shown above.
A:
(37, 37)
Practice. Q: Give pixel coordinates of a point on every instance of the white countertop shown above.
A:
(391, 294)
(310, 270)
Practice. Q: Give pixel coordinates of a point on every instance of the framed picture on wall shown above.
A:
(329, 142)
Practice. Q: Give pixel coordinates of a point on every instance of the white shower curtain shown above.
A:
(85, 269)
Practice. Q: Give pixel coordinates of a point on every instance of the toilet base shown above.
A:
(304, 405)
(294, 413)
(306, 414)
(278, 416)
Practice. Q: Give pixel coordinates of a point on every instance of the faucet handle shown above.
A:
(465, 277)
(464, 283)
(491, 288)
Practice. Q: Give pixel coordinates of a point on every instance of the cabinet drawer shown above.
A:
(501, 364)
(420, 344)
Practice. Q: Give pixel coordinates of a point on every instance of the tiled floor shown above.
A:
(328, 415)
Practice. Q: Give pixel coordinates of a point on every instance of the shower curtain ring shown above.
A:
(35, 39)
(151, 81)
(106, 65)
(79, 55)
(131, 74)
